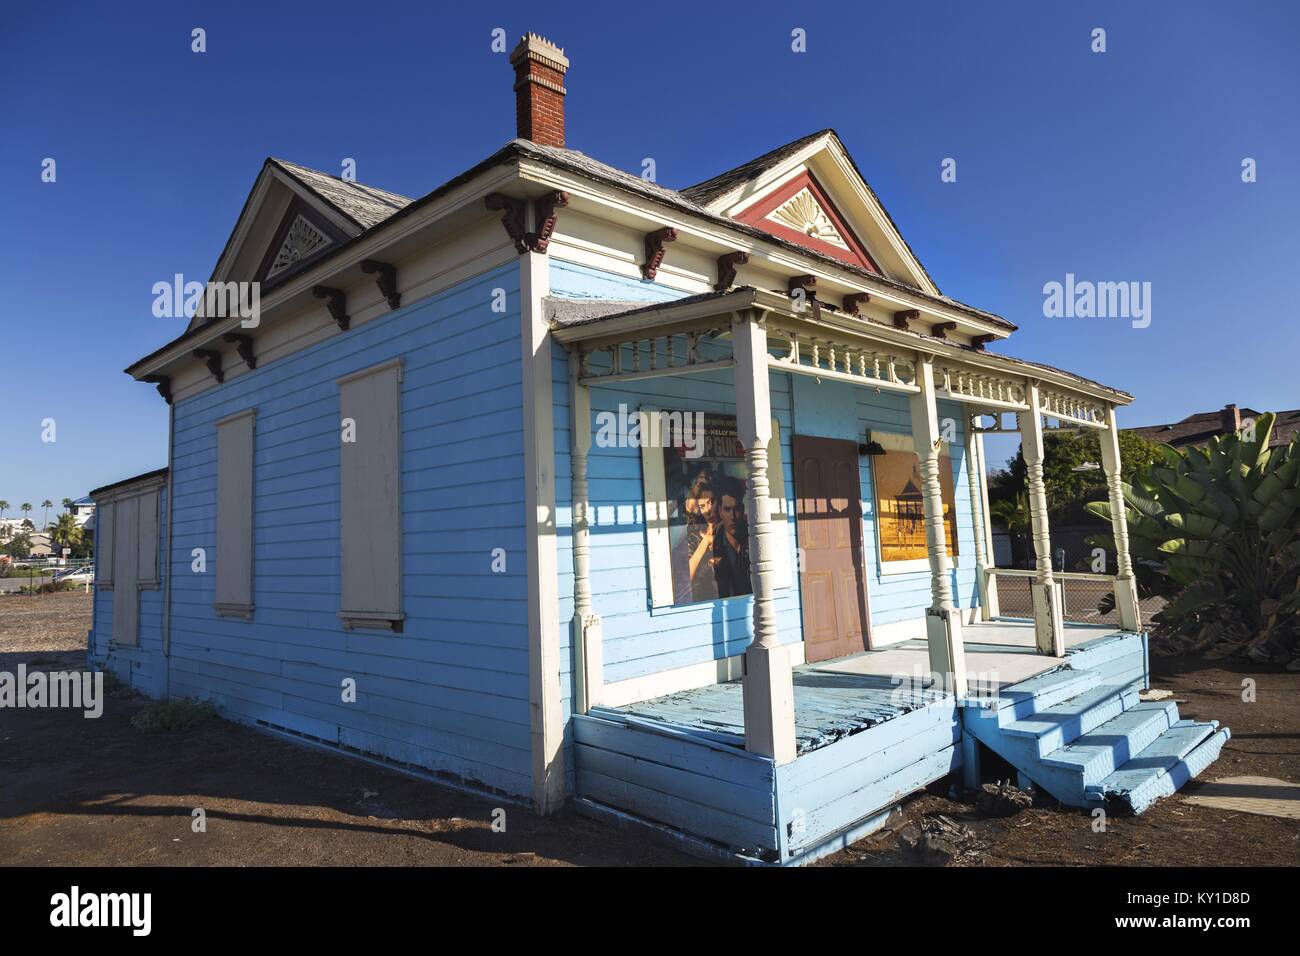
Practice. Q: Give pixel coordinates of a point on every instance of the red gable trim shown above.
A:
(755, 216)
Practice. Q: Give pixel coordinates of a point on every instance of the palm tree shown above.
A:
(4, 506)
(47, 504)
(65, 533)
(25, 507)
(67, 504)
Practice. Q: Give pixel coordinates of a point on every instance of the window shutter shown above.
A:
(234, 591)
(104, 520)
(148, 544)
(126, 599)
(370, 513)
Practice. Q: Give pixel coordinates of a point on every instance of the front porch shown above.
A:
(869, 729)
(793, 761)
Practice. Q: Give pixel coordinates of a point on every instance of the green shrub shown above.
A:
(182, 714)
(1215, 531)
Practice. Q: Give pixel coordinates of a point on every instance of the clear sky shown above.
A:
(1115, 166)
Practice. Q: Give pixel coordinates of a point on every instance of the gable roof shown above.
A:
(338, 194)
(734, 191)
(366, 206)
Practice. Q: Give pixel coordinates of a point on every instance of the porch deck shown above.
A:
(869, 731)
(836, 698)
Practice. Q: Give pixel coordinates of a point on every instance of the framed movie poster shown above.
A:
(899, 504)
(696, 479)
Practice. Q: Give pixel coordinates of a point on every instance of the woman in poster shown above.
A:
(693, 578)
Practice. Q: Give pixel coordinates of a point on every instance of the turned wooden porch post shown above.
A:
(975, 477)
(586, 626)
(1049, 628)
(942, 618)
(769, 683)
(1126, 596)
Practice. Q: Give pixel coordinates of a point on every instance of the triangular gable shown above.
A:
(810, 192)
(292, 216)
(799, 210)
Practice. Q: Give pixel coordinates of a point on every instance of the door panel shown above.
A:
(828, 523)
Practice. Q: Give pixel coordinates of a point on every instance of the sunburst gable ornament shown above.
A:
(802, 213)
(302, 239)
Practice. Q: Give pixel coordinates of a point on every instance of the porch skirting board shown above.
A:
(650, 686)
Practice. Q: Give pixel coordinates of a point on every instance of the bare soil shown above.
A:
(1265, 742)
(96, 792)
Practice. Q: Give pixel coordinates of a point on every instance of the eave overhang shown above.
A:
(704, 310)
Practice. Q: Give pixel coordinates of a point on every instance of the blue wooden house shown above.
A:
(559, 484)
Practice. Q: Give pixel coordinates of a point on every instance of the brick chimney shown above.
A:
(1229, 419)
(540, 66)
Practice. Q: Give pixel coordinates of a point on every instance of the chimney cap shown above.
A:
(537, 47)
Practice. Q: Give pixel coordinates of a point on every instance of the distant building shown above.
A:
(1198, 429)
(83, 509)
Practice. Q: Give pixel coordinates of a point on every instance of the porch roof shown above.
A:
(601, 324)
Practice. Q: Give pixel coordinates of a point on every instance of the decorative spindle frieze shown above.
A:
(851, 361)
(641, 356)
(1072, 409)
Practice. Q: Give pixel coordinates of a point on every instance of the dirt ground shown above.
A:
(96, 792)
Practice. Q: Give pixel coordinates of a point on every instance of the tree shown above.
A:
(25, 507)
(4, 506)
(66, 533)
(67, 504)
(1069, 480)
(47, 504)
(19, 546)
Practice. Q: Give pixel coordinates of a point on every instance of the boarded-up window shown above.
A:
(370, 514)
(104, 518)
(126, 599)
(148, 540)
(234, 595)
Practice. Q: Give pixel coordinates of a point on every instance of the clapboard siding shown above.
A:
(449, 693)
(820, 410)
(640, 640)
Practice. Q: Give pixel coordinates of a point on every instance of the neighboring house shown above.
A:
(415, 510)
(1197, 430)
(83, 509)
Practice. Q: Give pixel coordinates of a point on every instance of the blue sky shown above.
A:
(1119, 166)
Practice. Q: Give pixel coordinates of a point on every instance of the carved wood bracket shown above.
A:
(513, 218)
(211, 358)
(337, 304)
(244, 346)
(163, 384)
(727, 263)
(386, 278)
(654, 250)
(854, 300)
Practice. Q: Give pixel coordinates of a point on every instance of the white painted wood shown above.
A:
(234, 558)
(1047, 599)
(105, 519)
(975, 478)
(126, 598)
(769, 683)
(943, 621)
(370, 497)
(661, 683)
(1126, 596)
(987, 526)
(147, 543)
(539, 533)
(586, 629)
